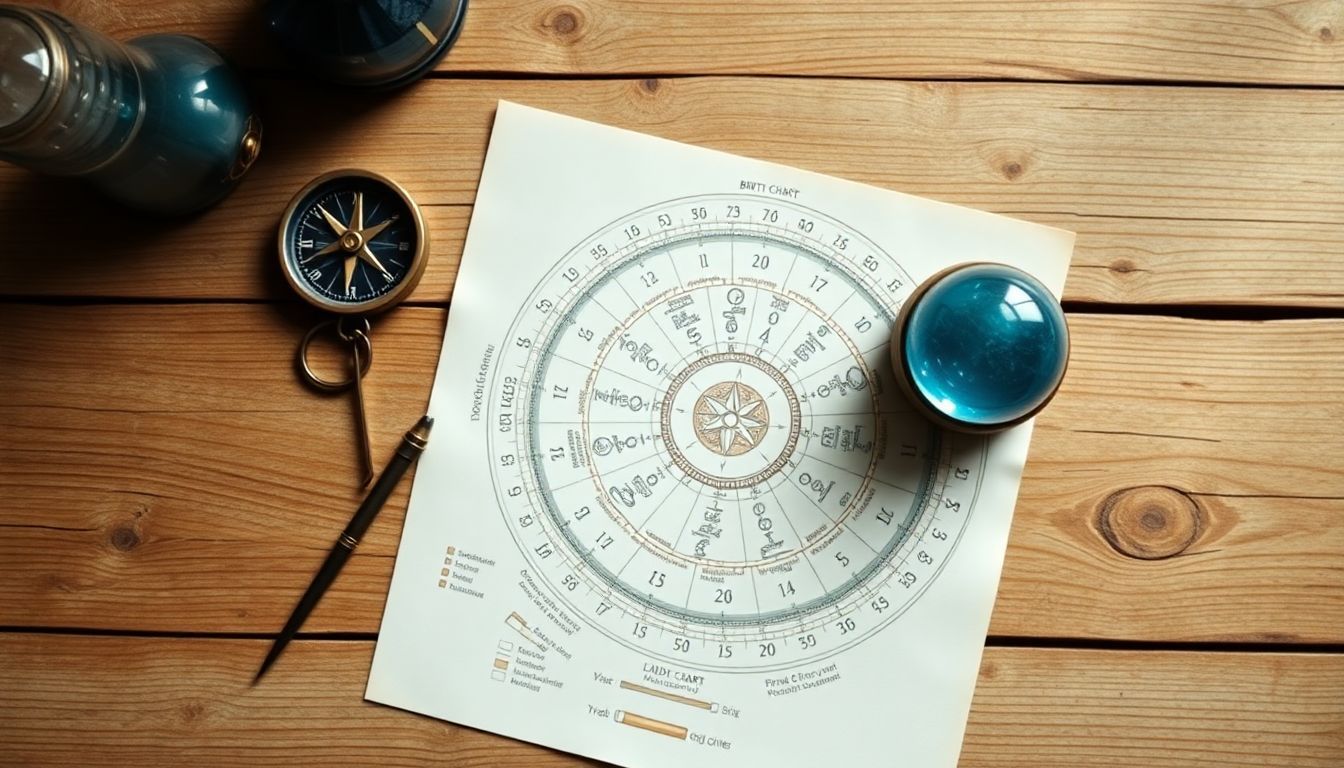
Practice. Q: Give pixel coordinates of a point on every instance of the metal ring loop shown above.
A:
(358, 336)
(350, 335)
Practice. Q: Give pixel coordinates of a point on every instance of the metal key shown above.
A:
(361, 420)
(361, 357)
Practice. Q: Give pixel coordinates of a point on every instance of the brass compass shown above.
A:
(352, 243)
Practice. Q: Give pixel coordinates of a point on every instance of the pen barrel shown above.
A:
(408, 450)
(331, 567)
(382, 488)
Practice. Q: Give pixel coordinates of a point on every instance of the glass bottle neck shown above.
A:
(25, 70)
(72, 97)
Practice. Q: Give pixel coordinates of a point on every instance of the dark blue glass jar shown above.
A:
(373, 44)
(161, 123)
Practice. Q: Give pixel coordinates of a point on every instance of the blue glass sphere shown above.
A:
(981, 346)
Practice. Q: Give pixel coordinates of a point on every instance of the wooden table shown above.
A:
(1174, 588)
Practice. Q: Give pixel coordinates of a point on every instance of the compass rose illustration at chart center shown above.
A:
(717, 424)
(731, 418)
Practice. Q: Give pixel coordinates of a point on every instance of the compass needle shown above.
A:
(367, 256)
(349, 273)
(329, 248)
(377, 229)
(332, 221)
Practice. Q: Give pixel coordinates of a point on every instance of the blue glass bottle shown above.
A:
(161, 123)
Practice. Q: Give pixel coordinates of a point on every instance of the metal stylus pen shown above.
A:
(407, 452)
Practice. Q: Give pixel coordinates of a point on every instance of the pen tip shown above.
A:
(271, 656)
(418, 435)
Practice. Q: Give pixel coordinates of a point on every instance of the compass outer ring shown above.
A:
(381, 303)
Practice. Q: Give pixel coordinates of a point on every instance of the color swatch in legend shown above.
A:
(519, 624)
(501, 666)
(649, 724)
(678, 698)
(447, 566)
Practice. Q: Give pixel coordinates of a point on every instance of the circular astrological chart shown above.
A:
(697, 442)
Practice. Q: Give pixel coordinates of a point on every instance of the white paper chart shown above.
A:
(675, 510)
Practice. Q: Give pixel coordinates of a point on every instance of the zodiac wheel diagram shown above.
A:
(697, 444)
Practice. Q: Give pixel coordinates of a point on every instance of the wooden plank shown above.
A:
(1206, 40)
(151, 702)
(1189, 196)
(1223, 432)
(163, 470)
(158, 415)
(1197, 710)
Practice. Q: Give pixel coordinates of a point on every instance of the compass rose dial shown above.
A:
(716, 423)
(731, 417)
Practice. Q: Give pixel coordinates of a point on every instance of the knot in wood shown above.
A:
(1149, 522)
(125, 531)
(125, 539)
(1011, 163)
(563, 21)
(1122, 266)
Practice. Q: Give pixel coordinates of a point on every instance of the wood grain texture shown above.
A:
(1236, 417)
(197, 463)
(1248, 41)
(163, 702)
(1072, 709)
(1179, 196)
(163, 470)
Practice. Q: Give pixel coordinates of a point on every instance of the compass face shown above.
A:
(352, 242)
(716, 420)
(700, 447)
